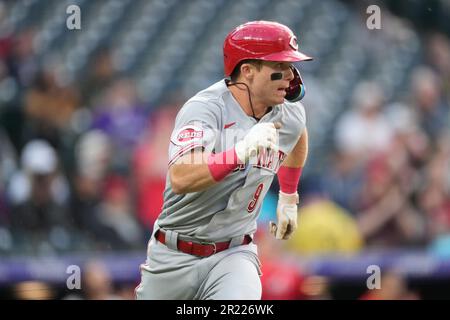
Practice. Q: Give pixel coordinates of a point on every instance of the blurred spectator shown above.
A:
(122, 117)
(363, 129)
(150, 165)
(3, 207)
(427, 97)
(438, 56)
(118, 226)
(5, 33)
(33, 290)
(49, 105)
(8, 86)
(316, 287)
(360, 132)
(93, 154)
(387, 218)
(39, 197)
(434, 199)
(343, 179)
(22, 62)
(6, 43)
(93, 157)
(97, 282)
(7, 168)
(11, 116)
(105, 215)
(101, 203)
(8, 164)
(100, 74)
(410, 145)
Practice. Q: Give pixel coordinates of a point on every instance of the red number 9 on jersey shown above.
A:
(252, 204)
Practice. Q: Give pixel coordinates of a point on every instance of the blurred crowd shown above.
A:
(83, 166)
(390, 167)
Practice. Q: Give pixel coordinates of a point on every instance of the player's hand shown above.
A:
(262, 135)
(286, 216)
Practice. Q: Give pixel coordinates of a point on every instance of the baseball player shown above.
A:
(228, 143)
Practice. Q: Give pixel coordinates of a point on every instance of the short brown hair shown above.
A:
(237, 70)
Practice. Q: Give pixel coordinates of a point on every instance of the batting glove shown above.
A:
(286, 216)
(262, 135)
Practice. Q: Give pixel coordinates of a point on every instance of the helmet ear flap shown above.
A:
(296, 90)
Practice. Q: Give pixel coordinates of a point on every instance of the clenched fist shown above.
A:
(262, 135)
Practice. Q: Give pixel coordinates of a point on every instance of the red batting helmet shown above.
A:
(261, 40)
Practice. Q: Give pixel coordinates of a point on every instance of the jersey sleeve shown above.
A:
(293, 123)
(301, 113)
(196, 126)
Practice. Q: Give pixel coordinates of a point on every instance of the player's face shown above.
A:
(272, 92)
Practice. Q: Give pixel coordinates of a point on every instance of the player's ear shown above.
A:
(247, 71)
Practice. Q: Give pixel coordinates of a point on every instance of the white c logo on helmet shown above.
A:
(293, 43)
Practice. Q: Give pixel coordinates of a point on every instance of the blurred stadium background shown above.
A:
(85, 117)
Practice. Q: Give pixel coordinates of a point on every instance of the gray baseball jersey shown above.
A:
(213, 120)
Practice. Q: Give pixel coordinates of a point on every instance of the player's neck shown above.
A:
(240, 94)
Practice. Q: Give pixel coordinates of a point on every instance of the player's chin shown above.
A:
(279, 97)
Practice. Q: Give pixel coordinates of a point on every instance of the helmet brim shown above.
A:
(287, 56)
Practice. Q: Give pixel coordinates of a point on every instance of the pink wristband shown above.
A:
(221, 164)
(288, 178)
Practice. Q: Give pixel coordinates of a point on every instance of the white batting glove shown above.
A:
(286, 216)
(262, 135)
